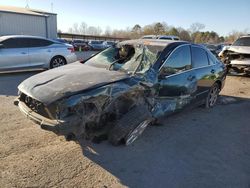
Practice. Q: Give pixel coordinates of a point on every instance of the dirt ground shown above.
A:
(195, 148)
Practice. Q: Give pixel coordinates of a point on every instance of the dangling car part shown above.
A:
(237, 56)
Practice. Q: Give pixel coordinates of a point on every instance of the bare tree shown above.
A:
(184, 35)
(195, 27)
(83, 28)
(108, 31)
(92, 30)
(70, 30)
(75, 28)
(98, 30)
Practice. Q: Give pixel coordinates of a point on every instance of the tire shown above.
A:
(212, 95)
(136, 117)
(57, 61)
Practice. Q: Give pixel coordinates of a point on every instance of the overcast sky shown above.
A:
(222, 16)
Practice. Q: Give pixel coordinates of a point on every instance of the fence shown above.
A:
(71, 36)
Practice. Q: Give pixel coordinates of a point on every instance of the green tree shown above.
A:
(173, 31)
(159, 29)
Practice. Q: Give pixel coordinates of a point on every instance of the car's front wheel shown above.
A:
(212, 95)
(57, 62)
(130, 126)
(136, 132)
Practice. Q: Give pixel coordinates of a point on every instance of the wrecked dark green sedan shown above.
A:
(117, 93)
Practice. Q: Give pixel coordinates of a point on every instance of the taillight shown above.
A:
(71, 49)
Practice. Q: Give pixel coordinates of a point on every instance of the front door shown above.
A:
(177, 82)
(14, 55)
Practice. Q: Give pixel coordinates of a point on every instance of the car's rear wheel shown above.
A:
(213, 95)
(130, 126)
(57, 62)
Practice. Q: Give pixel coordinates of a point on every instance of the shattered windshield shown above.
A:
(245, 41)
(128, 58)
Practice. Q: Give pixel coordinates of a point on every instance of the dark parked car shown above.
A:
(118, 92)
(80, 45)
(61, 40)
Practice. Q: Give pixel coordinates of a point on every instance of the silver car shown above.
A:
(96, 45)
(19, 53)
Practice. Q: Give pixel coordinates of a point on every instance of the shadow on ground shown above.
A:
(197, 148)
(10, 81)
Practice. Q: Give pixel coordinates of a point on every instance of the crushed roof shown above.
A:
(151, 42)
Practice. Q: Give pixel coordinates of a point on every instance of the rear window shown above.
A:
(212, 59)
(199, 57)
(165, 38)
(244, 41)
(96, 42)
(78, 41)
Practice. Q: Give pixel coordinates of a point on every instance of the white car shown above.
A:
(21, 53)
(237, 56)
(163, 37)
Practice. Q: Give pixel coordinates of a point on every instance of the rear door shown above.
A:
(14, 54)
(204, 71)
(40, 52)
(177, 81)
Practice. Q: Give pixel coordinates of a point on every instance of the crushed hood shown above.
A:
(55, 84)
(240, 49)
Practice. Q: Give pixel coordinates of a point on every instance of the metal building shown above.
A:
(26, 21)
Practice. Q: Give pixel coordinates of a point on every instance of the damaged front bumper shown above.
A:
(240, 65)
(45, 123)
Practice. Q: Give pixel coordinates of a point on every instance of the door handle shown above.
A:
(23, 53)
(212, 71)
(190, 77)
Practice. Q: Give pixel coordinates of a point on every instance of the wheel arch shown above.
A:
(219, 83)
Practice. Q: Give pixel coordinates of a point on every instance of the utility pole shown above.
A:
(52, 6)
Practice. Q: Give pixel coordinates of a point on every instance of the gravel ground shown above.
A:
(195, 148)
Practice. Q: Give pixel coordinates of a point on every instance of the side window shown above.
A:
(39, 42)
(15, 43)
(178, 61)
(199, 57)
(9, 43)
(212, 59)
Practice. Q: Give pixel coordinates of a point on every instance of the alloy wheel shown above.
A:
(57, 62)
(132, 136)
(213, 95)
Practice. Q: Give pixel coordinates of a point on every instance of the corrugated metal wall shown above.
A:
(52, 26)
(21, 24)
